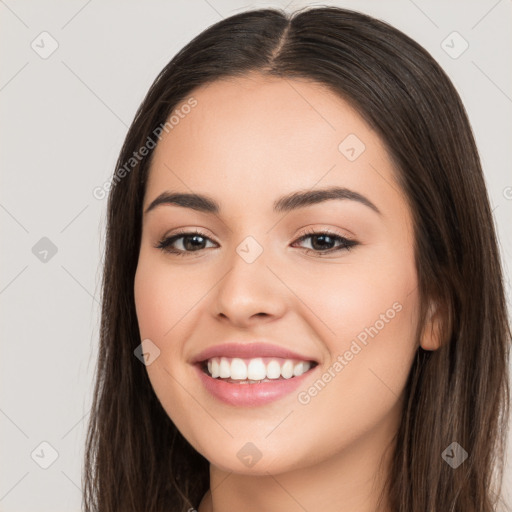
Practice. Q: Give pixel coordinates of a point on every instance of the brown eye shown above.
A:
(323, 242)
(190, 242)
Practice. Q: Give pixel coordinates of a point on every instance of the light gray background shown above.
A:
(63, 122)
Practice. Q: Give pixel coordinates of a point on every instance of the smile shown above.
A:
(256, 370)
(251, 374)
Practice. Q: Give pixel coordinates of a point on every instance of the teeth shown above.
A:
(238, 369)
(287, 369)
(255, 370)
(273, 370)
(224, 368)
(301, 368)
(215, 368)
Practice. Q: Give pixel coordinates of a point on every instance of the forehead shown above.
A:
(257, 136)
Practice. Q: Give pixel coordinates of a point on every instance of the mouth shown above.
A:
(251, 374)
(258, 370)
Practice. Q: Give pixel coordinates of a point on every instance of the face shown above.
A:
(315, 301)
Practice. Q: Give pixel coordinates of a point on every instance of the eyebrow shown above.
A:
(286, 203)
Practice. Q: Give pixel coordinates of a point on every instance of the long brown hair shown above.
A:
(136, 460)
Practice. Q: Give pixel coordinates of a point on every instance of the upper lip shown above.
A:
(249, 351)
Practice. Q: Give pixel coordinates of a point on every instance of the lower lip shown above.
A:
(250, 395)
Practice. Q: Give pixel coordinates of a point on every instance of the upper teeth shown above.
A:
(256, 369)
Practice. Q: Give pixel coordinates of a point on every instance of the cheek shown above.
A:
(161, 302)
(371, 312)
(161, 298)
(362, 301)
(360, 388)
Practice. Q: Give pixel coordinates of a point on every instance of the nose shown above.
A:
(250, 293)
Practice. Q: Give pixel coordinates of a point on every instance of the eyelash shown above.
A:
(346, 244)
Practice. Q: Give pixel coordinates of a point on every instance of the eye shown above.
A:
(192, 241)
(195, 241)
(324, 242)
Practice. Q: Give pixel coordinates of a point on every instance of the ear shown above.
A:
(431, 335)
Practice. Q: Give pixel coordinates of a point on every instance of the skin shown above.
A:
(248, 142)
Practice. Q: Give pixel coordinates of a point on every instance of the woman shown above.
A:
(303, 305)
